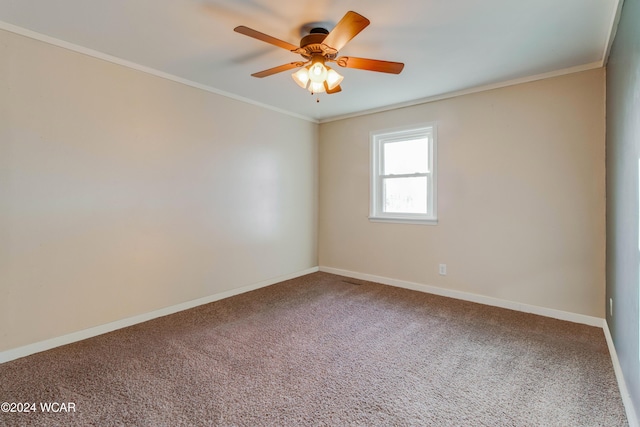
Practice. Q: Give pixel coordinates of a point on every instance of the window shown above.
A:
(403, 175)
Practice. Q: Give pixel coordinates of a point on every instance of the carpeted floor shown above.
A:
(323, 350)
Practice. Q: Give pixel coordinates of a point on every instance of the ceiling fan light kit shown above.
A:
(320, 47)
(317, 77)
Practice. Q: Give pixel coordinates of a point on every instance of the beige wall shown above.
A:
(122, 193)
(521, 196)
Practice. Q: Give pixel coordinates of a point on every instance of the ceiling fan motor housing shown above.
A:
(311, 45)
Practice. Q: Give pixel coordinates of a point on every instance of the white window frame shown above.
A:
(378, 139)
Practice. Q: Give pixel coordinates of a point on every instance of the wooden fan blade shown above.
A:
(349, 26)
(265, 38)
(276, 70)
(370, 64)
(330, 91)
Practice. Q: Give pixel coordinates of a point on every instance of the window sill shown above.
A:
(404, 220)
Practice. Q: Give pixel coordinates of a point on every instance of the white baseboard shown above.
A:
(496, 302)
(26, 350)
(622, 384)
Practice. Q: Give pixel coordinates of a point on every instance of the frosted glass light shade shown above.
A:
(333, 79)
(318, 72)
(316, 87)
(301, 77)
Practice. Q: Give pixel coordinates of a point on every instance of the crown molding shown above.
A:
(476, 89)
(142, 68)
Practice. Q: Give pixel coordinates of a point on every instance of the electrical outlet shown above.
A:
(611, 307)
(442, 269)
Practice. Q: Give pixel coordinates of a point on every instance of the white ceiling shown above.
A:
(447, 46)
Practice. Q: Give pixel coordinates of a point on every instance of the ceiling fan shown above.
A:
(320, 47)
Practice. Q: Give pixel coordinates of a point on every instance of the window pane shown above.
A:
(405, 195)
(404, 157)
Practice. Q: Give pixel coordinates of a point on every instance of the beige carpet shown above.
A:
(323, 350)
